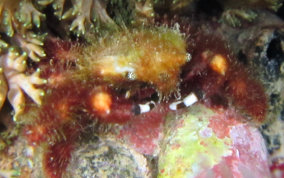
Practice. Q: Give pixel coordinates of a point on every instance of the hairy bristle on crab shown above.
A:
(216, 73)
(57, 158)
(133, 80)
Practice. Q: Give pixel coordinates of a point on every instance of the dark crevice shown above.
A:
(219, 100)
(52, 22)
(282, 113)
(55, 26)
(242, 57)
(280, 12)
(274, 99)
(275, 57)
(211, 8)
(2, 127)
(6, 117)
(274, 50)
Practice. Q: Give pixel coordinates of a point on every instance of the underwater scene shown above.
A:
(141, 88)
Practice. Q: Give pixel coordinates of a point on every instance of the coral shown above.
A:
(28, 15)
(32, 44)
(17, 20)
(57, 5)
(237, 12)
(87, 12)
(17, 17)
(7, 18)
(94, 15)
(14, 65)
(87, 15)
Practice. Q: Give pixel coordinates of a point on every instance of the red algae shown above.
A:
(222, 123)
(277, 169)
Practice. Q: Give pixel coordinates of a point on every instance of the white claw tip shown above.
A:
(190, 99)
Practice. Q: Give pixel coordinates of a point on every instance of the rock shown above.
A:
(211, 143)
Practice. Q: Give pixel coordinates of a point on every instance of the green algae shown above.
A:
(188, 150)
